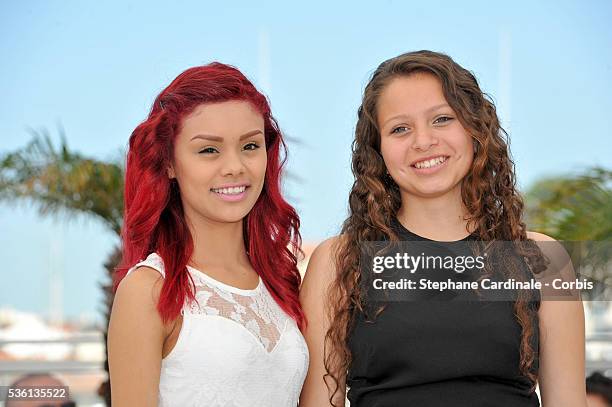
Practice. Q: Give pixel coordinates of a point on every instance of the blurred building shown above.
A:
(72, 352)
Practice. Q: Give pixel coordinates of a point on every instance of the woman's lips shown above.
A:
(430, 166)
(232, 194)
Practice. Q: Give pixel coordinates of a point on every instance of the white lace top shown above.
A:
(235, 348)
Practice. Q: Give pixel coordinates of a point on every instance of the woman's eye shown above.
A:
(251, 146)
(208, 150)
(443, 119)
(399, 129)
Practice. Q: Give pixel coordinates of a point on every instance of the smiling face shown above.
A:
(424, 146)
(220, 161)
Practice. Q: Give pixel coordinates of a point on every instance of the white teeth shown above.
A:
(430, 163)
(230, 191)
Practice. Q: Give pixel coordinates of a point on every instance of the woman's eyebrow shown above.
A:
(436, 107)
(210, 137)
(207, 137)
(404, 116)
(399, 116)
(250, 133)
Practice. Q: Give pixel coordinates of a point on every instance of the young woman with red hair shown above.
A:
(206, 309)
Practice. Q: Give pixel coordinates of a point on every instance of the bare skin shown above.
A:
(415, 123)
(219, 144)
(596, 400)
(319, 275)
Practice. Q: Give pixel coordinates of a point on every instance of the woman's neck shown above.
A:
(218, 245)
(440, 218)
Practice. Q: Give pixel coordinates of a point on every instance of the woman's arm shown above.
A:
(135, 339)
(313, 296)
(562, 347)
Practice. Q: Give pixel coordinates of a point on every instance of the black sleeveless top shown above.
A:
(439, 353)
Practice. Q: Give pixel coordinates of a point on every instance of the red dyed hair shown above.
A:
(154, 219)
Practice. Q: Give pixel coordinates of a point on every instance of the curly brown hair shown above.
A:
(488, 191)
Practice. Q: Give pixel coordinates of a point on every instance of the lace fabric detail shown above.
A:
(235, 348)
(258, 313)
(153, 261)
(255, 310)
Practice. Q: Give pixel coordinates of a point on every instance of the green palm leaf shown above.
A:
(58, 180)
(577, 210)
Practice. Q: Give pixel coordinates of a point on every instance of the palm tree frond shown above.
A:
(60, 180)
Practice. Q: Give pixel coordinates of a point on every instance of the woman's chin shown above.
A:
(228, 215)
(432, 191)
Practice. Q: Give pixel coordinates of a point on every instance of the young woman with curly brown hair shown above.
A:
(432, 163)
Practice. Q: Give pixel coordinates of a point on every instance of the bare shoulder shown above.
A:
(561, 328)
(142, 286)
(559, 271)
(539, 237)
(554, 251)
(137, 296)
(320, 274)
(321, 265)
(326, 248)
(551, 248)
(135, 339)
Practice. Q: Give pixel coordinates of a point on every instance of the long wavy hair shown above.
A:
(488, 192)
(154, 220)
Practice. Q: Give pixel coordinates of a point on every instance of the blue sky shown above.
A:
(95, 67)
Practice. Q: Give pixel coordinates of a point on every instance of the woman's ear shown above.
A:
(171, 173)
